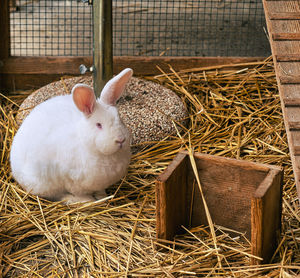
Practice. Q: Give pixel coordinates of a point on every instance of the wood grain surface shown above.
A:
(242, 196)
(283, 24)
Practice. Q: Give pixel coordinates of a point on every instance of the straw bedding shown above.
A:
(233, 111)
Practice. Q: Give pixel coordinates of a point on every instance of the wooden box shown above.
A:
(241, 195)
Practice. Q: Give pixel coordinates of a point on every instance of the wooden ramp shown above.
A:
(283, 22)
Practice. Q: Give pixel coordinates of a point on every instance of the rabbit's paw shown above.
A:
(100, 195)
(71, 199)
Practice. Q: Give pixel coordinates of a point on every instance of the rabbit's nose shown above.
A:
(120, 141)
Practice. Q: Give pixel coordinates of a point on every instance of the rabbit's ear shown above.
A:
(84, 98)
(114, 88)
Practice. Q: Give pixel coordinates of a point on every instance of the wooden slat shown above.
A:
(296, 150)
(5, 34)
(287, 57)
(289, 79)
(172, 209)
(34, 72)
(284, 16)
(142, 65)
(4, 29)
(266, 215)
(291, 102)
(44, 65)
(294, 126)
(286, 36)
(280, 1)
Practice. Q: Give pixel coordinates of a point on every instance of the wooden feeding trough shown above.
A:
(241, 195)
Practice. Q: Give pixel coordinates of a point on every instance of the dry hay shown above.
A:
(234, 112)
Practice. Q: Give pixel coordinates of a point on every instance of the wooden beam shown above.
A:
(5, 35)
(142, 65)
(33, 72)
(286, 36)
(289, 79)
(291, 102)
(294, 126)
(44, 65)
(287, 57)
(284, 16)
(297, 150)
(266, 214)
(4, 30)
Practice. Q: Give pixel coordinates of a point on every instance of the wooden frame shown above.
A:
(33, 72)
(241, 195)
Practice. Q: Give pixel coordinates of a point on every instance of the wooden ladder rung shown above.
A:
(286, 36)
(296, 150)
(285, 16)
(287, 57)
(289, 79)
(293, 126)
(291, 102)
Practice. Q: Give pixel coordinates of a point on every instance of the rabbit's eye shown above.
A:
(99, 125)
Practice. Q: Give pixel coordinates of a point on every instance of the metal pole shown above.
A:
(102, 48)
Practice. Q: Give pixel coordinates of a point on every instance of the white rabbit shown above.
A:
(72, 150)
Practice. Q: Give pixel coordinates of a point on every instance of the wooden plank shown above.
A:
(143, 65)
(284, 16)
(292, 92)
(266, 216)
(280, 0)
(44, 65)
(286, 36)
(171, 205)
(296, 150)
(289, 79)
(257, 222)
(291, 102)
(5, 35)
(34, 72)
(13, 82)
(4, 29)
(294, 126)
(225, 183)
(285, 45)
(242, 164)
(287, 57)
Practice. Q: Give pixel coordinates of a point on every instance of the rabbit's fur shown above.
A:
(73, 147)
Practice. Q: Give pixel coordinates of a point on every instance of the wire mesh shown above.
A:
(191, 28)
(50, 28)
(142, 28)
